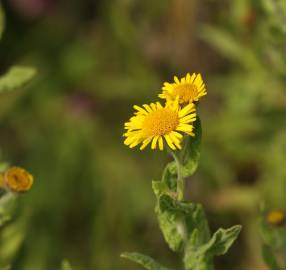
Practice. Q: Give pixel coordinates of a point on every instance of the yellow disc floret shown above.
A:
(160, 122)
(17, 179)
(155, 124)
(189, 89)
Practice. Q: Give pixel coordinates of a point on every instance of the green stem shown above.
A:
(180, 178)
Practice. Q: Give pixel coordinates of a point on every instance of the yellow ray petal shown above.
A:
(145, 143)
(154, 142)
(161, 145)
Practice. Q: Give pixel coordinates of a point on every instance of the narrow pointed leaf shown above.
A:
(16, 77)
(222, 240)
(146, 261)
(200, 256)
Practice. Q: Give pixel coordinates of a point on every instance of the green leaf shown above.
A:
(66, 265)
(146, 261)
(222, 240)
(269, 258)
(168, 183)
(159, 188)
(16, 77)
(171, 225)
(169, 177)
(179, 219)
(190, 154)
(7, 203)
(11, 239)
(200, 257)
(167, 203)
(192, 151)
(2, 21)
(198, 221)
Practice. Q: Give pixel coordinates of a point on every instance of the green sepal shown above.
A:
(16, 77)
(146, 261)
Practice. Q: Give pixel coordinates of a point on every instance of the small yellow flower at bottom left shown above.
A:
(16, 180)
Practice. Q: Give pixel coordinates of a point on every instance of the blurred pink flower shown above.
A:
(31, 8)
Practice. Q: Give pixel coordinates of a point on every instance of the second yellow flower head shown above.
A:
(189, 89)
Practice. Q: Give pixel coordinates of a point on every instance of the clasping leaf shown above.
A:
(146, 261)
(16, 77)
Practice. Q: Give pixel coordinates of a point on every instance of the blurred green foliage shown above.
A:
(95, 59)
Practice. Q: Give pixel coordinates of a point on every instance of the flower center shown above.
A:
(160, 122)
(186, 92)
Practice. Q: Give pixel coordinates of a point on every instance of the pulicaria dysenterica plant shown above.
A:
(175, 126)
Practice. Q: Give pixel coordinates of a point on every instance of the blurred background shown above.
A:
(92, 197)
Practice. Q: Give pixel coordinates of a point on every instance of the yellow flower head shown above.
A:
(189, 89)
(17, 179)
(276, 217)
(156, 124)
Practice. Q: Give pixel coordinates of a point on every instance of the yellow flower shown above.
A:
(155, 124)
(276, 217)
(189, 89)
(17, 179)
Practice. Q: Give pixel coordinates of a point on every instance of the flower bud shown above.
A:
(17, 179)
(276, 217)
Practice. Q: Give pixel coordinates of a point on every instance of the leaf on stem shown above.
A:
(222, 240)
(178, 220)
(146, 261)
(16, 77)
(199, 256)
(190, 154)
